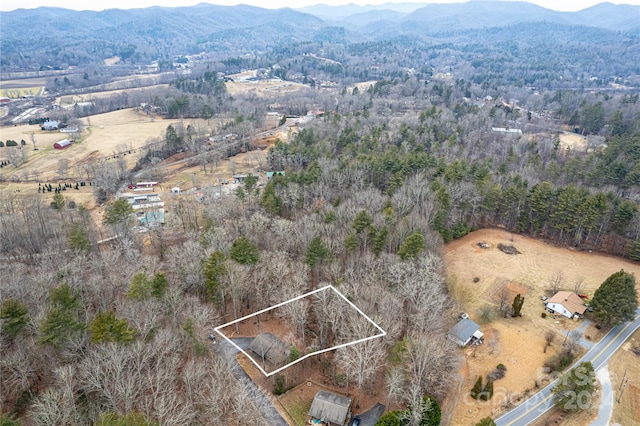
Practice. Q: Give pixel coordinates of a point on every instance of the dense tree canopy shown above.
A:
(574, 389)
(244, 252)
(616, 300)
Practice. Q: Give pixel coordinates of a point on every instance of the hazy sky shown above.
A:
(7, 5)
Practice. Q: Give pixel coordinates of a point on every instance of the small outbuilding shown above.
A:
(330, 408)
(566, 303)
(270, 349)
(63, 144)
(465, 332)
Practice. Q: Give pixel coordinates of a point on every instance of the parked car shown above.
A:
(356, 421)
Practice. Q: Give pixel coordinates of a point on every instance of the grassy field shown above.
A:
(110, 133)
(477, 276)
(18, 92)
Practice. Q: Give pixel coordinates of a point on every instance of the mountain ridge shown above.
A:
(64, 37)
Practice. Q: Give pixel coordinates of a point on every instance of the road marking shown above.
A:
(552, 383)
(615, 337)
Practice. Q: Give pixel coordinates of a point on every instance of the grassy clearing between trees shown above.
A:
(298, 401)
(477, 277)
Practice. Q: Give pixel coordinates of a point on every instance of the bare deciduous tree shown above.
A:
(549, 337)
(395, 382)
(555, 281)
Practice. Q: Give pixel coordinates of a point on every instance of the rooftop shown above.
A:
(464, 329)
(569, 300)
(329, 407)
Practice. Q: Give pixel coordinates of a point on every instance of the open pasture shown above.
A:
(18, 92)
(120, 132)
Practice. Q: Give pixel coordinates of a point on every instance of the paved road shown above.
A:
(599, 354)
(268, 411)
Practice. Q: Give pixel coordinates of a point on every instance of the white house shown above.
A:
(512, 132)
(566, 303)
(50, 125)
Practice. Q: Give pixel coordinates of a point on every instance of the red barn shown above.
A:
(63, 144)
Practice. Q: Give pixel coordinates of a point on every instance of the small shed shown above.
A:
(465, 332)
(63, 144)
(269, 348)
(330, 408)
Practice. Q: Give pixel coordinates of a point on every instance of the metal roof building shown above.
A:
(465, 331)
(269, 348)
(330, 408)
(63, 144)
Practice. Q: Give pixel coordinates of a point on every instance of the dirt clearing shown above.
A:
(262, 88)
(573, 142)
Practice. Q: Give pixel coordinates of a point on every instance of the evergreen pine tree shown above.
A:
(616, 300)
(518, 301)
(477, 388)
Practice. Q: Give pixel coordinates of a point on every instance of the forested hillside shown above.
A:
(489, 42)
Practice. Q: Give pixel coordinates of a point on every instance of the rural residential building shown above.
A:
(513, 132)
(330, 408)
(50, 125)
(270, 349)
(152, 218)
(63, 144)
(465, 332)
(148, 201)
(566, 303)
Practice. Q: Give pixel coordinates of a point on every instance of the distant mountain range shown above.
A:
(477, 14)
(55, 35)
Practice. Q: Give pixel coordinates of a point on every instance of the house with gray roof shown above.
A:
(330, 408)
(465, 332)
(270, 349)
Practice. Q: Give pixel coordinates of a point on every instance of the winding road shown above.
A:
(599, 355)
